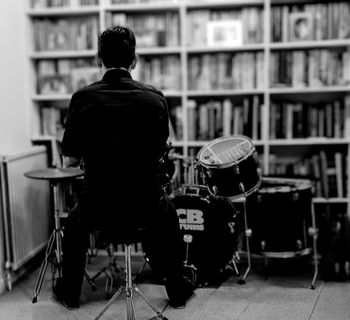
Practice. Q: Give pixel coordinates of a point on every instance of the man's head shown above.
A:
(116, 48)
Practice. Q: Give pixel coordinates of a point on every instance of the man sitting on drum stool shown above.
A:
(118, 128)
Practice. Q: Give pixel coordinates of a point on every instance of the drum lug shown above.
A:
(259, 197)
(313, 232)
(236, 169)
(263, 245)
(299, 244)
(215, 190)
(209, 174)
(295, 196)
(248, 233)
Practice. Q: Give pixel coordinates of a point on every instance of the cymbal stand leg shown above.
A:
(313, 232)
(58, 231)
(43, 267)
(233, 266)
(247, 232)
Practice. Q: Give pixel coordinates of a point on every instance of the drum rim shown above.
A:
(226, 165)
(294, 183)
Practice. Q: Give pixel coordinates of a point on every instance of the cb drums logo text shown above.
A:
(190, 219)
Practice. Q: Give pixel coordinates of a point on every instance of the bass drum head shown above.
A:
(225, 151)
(213, 225)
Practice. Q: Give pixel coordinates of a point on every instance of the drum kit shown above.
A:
(223, 176)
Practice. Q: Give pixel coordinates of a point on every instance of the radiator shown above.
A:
(25, 208)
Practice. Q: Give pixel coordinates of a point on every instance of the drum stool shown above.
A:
(128, 240)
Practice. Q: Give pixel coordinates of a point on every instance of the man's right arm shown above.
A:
(71, 142)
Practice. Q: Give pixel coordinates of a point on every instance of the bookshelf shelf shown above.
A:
(206, 49)
(331, 200)
(223, 93)
(51, 97)
(64, 11)
(143, 7)
(307, 90)
(159, 50)
(309, 44)
(197, 143)
(308, 141)
(63, 54)
(223, 4)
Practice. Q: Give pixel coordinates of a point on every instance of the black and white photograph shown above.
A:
(175, 160)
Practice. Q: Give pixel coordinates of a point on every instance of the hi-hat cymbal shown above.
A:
(54, 173)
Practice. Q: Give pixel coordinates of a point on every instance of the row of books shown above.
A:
(310, 68)
(327, 169)
(78, 33)
(250, 25)
(64, 76)
(164, 73)
(52, 121)
(312, 21)
(39, 4)
(305, 120)
(214, 118)
(226, 71)
(155, 30)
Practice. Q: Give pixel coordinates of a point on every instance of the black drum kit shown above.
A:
(223, 176)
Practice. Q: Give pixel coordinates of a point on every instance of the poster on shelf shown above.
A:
(225, 33)
(84, 76)
(301, 26)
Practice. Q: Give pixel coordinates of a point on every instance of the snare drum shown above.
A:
(279, 215)
(212, 225)
(230, 166)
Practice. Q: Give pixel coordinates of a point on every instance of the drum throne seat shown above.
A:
(128, 239)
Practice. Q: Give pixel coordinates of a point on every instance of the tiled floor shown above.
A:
(281, 295)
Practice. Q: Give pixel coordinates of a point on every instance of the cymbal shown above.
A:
(54, 173)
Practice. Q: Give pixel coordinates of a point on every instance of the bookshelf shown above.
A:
(272, 76)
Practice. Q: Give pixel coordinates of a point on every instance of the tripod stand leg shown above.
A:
(43, 267)
(247, 234)
(90, 281)
(110, 302)
(314, 243)
(150, 304)
(130, 310)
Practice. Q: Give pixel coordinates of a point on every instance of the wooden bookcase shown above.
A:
(269, 88)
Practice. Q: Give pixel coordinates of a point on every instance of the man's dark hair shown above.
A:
(116, 47)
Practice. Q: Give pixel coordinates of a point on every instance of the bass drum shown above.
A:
(212, 226)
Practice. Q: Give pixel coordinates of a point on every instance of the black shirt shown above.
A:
(119, 127)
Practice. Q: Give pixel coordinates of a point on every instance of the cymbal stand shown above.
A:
(313, 232)
(247, 234)
(54, 246)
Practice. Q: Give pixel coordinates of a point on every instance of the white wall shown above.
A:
(15, 105)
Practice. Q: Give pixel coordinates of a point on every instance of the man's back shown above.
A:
(120, 128)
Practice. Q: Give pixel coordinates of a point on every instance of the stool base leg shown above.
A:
(129, 289)
(110, 302)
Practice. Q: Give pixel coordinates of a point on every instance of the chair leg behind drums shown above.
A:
(129, 288)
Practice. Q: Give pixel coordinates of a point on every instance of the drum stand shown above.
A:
(54, 245)
(312, 232)
(247, 234)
